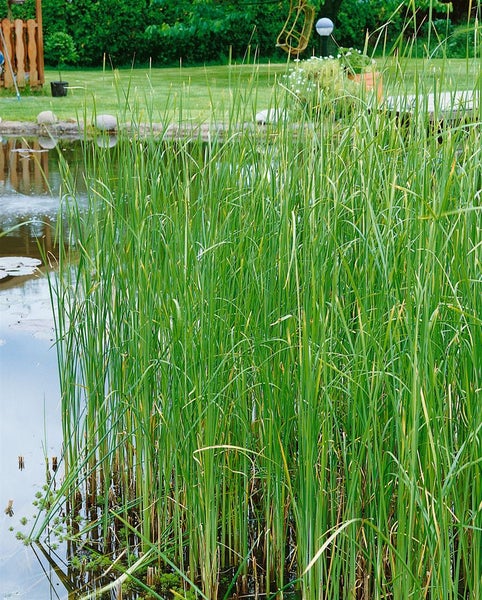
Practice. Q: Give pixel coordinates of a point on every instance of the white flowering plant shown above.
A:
(324, 84)
(318, 82)
(354, 60)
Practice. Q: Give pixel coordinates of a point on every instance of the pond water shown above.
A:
(30, 427)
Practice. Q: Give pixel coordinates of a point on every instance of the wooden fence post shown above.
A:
(40, 42)
(7, 51)
(19, 61)
(32, 52)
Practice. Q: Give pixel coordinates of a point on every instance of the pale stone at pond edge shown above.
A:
(106, 122)
(46, 117)
(270, 115)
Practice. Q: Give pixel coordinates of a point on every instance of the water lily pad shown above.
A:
(14, 266)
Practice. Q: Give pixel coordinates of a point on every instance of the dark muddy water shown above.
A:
(30, 428)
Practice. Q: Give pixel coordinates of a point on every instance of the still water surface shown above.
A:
(30, 427)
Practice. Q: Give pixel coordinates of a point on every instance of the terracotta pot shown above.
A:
(371, 81)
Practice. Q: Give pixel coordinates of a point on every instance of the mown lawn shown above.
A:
(202, 93)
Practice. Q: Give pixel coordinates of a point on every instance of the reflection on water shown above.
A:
(30, 427)
(30, 431)
(30, 188)
(24, 166)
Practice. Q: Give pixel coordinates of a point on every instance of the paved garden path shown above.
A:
(445, 104)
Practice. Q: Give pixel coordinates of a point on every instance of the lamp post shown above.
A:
(324, 28)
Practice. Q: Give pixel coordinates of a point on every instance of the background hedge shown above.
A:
(164, 32)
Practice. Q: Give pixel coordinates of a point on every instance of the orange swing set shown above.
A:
(297, 30)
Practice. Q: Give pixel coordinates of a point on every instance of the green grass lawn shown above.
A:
(202, 93)
(148, 94)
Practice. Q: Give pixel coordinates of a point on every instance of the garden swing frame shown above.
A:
(294, 36)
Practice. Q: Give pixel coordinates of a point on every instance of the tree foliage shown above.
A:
(163, 32)
(60, 49)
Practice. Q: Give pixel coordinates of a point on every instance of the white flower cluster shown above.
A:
(311, 78)
(354, 60)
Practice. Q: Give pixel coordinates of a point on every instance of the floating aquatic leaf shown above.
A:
(15, 266)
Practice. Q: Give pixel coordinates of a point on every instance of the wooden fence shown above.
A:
(22, 42)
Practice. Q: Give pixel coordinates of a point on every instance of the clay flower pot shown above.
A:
(371, 81)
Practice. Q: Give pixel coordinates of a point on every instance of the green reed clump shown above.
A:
(269, 350)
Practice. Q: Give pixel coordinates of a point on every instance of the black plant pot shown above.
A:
(59, 88)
